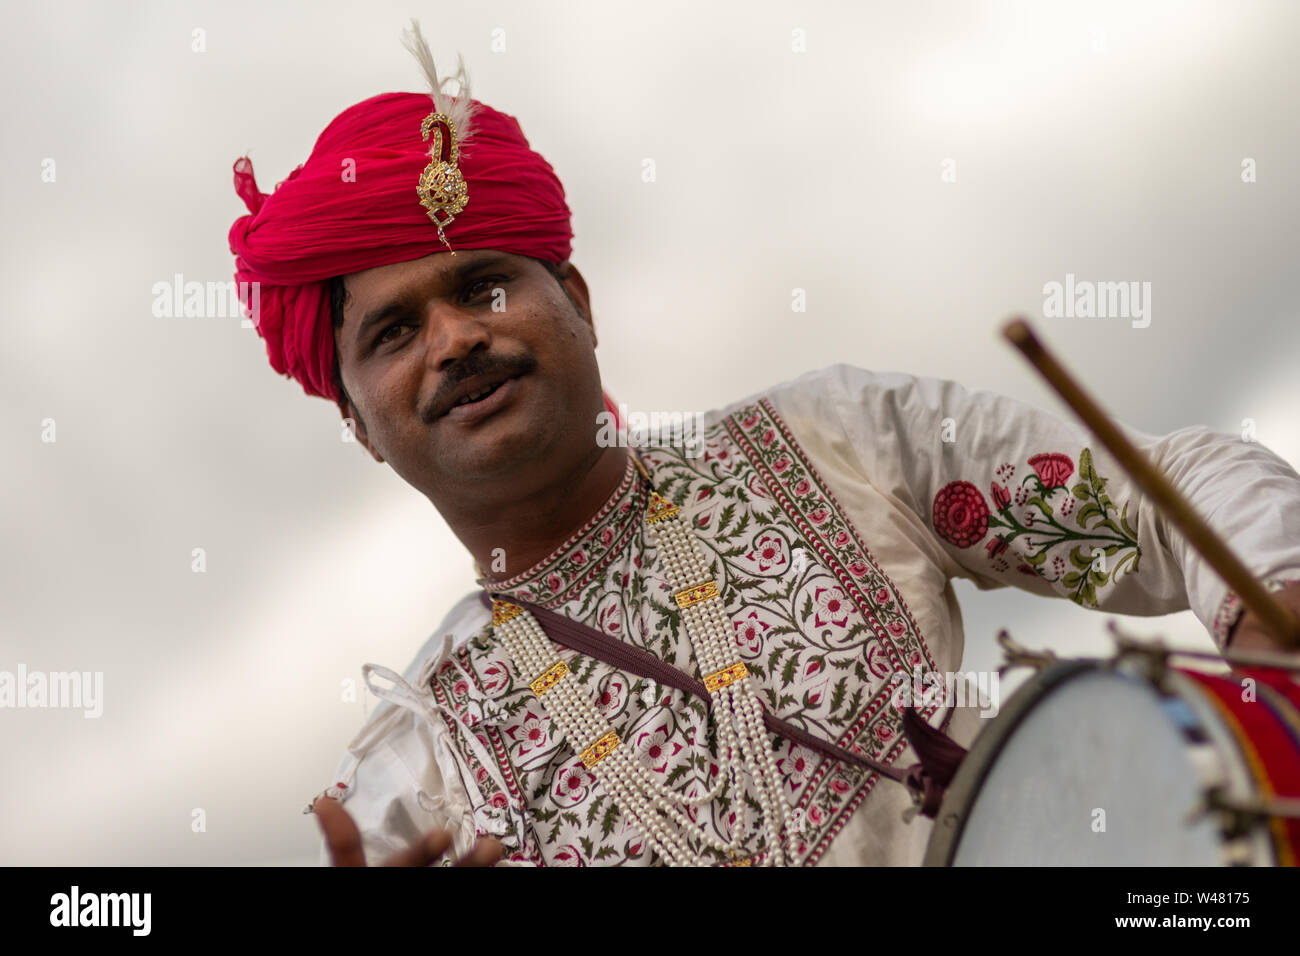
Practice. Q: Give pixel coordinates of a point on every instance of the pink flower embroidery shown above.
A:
(749, 633)
(568, 855)
(960, 513)
(657, 748)
(830, 602)
(606, 535)
(877, 660)
(781, 464)
(1053, 468)
(858, 569)
(768, 551)
(495, 677)
(795, 767)
(553, 582)
(531, 736)
(818, 516)
(768, 436)
(996, 546)
(841, 539)
(498, 800)
(803, 487)
(610, 619)
(611, 698)
(757, 489)
(1001, 497)
(571, 784)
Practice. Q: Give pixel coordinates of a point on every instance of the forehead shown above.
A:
(437, 269)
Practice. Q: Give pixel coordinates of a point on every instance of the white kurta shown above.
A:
(834, 510)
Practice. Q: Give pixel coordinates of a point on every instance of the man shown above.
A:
(795, 557)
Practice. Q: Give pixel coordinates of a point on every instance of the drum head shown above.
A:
(1086, 766)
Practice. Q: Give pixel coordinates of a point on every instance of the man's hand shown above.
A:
(1250, 634)
(344, 842)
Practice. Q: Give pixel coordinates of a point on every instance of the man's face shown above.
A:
(417, 336)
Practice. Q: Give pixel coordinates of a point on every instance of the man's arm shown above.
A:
(1018, 496)
(1249, 633)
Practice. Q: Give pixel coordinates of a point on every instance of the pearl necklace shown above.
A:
(642, 799)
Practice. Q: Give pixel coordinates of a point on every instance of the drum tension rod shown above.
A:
(1237, 816)
(1015, 654)
(1278, 660)
(918, 801)
(1152, 655)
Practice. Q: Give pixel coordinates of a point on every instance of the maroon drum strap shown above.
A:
(938, 753)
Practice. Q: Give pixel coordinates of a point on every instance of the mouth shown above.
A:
(480, 400)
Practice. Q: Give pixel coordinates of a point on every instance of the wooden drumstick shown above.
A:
(1275, 615)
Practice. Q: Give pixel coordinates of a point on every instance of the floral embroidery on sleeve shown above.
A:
(1046, 513)
(1231, 610)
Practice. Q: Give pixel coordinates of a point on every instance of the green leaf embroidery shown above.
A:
(837, 696)
(1042, 505)
(611, 815)
(724, 519)
(676, 774)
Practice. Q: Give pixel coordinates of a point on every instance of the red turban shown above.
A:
(353, 205)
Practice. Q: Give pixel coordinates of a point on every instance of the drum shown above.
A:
(1100, 763)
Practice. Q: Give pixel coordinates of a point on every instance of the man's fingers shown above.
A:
(486, 852)
(344, 842)
(341, 833)
(433, 845)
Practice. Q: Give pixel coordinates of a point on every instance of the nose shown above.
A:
(450, 335)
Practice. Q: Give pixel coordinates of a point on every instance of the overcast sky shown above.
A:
(922, 170)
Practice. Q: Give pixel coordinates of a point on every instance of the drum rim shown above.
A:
(950, 821)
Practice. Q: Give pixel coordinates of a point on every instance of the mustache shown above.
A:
(476, 364)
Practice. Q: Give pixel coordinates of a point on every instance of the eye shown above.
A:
(383, 336)
(475, 283)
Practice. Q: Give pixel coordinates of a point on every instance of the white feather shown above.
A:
(459, 109)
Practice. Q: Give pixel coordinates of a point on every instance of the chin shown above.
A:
(487, 454)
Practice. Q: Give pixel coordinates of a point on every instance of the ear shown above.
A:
(349, 413)
(577, 287)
